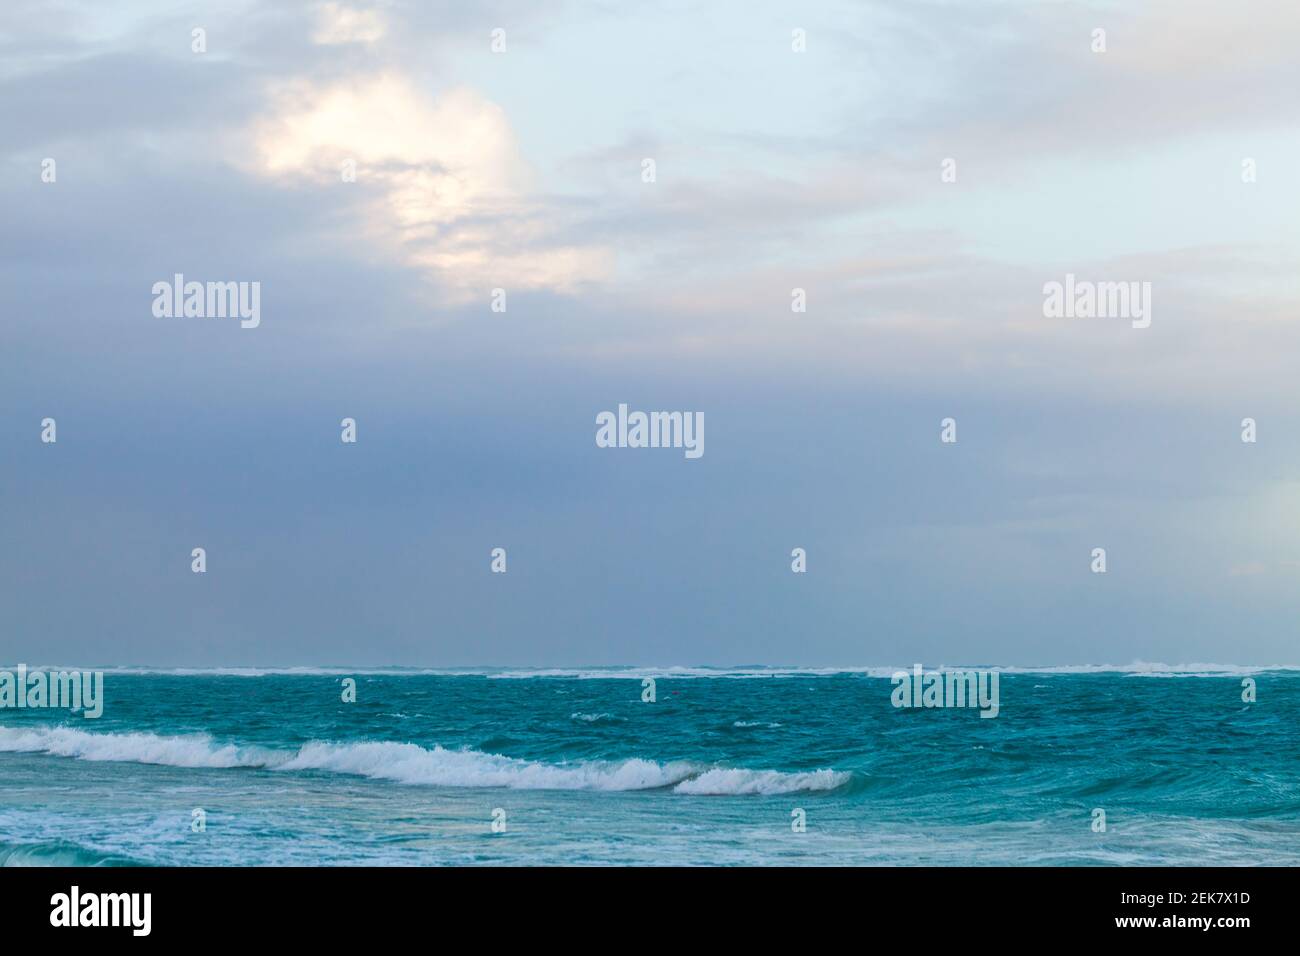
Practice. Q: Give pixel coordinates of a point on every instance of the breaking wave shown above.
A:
(56, 853)
(409, 763)
(187, 750)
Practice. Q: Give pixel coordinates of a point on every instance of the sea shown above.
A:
(1138, 765)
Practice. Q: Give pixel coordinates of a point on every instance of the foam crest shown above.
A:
(720, 782)
(190, 750)
(409, 763)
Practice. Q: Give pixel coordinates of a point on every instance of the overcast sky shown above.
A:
(774, 170)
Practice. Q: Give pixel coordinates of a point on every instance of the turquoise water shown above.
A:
(709, 773)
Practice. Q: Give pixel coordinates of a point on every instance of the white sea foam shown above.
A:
(684, 673)
(728, 782)
(409, 763)
(1136, 668)
(1151, 669)
(189, 750)
(412, 764)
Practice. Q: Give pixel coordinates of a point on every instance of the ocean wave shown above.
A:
(56, 853)
(496, 673)
(683, 673)
(188, 750)
(410, 763)
(729, 782)
(1152, 669)
(593, 718)
(1137, 668)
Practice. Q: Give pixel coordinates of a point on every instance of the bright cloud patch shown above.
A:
(338, 24)
(457, 198)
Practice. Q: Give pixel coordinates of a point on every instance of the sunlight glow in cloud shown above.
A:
(457, 198)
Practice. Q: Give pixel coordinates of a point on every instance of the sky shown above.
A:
(1167, 158)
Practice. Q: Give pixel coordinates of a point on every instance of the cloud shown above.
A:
(455, 196)
(339, 24)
